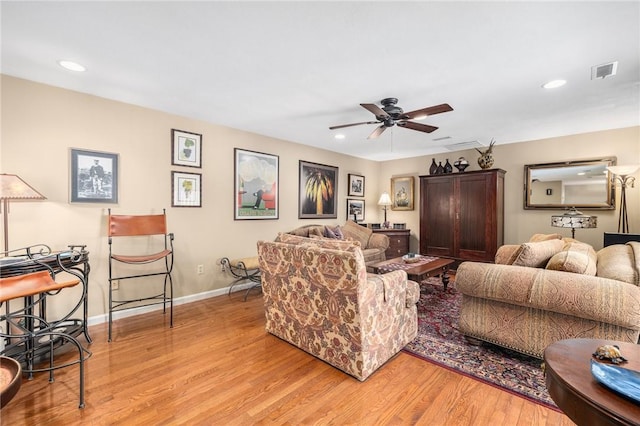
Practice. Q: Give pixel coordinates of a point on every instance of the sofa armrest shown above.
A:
(382, 299)
(583, 296)
(379, 241)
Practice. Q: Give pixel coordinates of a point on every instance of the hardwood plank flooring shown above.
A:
(218, 366)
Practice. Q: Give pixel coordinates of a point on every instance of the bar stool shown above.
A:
(28, 335)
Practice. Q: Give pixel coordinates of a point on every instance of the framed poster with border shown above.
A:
(186, 189)
(402, 193)
(356, 186)
(318, 184)
(255, 194)
(355, 209)
(94, 177)
(186, 148)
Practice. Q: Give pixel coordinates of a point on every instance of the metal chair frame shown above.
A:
(140, 226)
(241, 273)
(30, 337)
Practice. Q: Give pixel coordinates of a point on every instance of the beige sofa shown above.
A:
(551, 289)
(373, 245)
(319, 297)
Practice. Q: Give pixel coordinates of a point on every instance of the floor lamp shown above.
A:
(14, 188)
(622, 175)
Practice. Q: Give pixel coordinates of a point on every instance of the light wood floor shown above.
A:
(218, 366)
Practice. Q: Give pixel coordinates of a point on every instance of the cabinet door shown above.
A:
(474, 217)
(437, 205)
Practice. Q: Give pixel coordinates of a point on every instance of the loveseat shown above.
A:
(551, 289)
(373, 245)
(319, 297)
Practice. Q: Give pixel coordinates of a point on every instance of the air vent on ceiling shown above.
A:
(604, 70)
(464, 145)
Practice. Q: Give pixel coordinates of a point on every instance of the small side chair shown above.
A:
(126, 228)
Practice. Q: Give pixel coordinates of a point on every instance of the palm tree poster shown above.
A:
(318, 186)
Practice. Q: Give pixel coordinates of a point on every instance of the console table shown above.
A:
(74, 261)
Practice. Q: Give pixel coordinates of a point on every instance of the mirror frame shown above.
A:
(609, 204)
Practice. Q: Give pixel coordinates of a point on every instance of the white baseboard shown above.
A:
(99, 319)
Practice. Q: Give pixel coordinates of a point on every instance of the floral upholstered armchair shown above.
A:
(319, 297)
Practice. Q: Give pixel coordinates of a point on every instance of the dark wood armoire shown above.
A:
(462, 215)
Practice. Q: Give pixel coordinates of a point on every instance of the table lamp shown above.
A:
(622, 175)
(14, 188)
(385, 202)
(574, 219)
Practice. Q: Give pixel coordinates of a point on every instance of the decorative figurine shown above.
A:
(611, 353)
(485, 161)
(461, 164)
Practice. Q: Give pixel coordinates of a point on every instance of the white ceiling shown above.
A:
(292, 69)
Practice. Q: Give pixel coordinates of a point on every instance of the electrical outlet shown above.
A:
(200, 269)
(115, 285)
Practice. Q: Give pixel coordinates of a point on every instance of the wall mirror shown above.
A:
(581, 184)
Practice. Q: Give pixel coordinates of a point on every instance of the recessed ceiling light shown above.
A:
(554, 84)
(339, 136)
(72, 66)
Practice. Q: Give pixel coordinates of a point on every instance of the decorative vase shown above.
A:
(440, 169)
(447, 167)
(485, 161)
(434, 167)
(461, 164)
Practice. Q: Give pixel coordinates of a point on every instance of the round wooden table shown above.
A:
(578, 394)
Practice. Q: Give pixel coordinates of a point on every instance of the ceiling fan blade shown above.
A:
(352, 124)
(377, 132)
(375, 110)
(417, 126)
(436, 109)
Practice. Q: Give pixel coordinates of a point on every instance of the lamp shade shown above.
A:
(623, 170)
(14, 188)
(384, 200)
(574, 219)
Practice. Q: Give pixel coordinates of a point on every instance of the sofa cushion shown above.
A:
(544, 237)
(284, 237)
(617, 263)
(333, 232)
(576, 257)
(506, 254)
(537, 254)
(357, 233)
(331, 243)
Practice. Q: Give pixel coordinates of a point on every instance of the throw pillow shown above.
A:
(506, 254)
(544, 237)
(576, 257)
(334, 232)
(537, 254)
(616, 262)
(357, 233)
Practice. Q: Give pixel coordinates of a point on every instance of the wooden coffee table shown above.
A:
(577, 393)
(420, 271)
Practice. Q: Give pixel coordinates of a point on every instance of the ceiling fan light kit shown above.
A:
(391, 115)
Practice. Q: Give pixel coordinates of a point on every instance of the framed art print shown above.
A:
(355, 209)
(186, 189)
(255, 194)
(186, 148)
(94, 177)
(402, 193)
(356, 186)
(317, 191)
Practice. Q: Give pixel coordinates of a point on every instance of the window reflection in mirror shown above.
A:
(581, 184)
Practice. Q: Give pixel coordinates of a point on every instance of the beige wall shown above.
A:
(520, 224)
(41, 123)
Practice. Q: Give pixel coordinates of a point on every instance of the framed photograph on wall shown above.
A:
(94, 177)
(186, 189)
(355, 209)
(186, 148)
(402, 193)
(256, 185)
(318, 184)
(356, 186)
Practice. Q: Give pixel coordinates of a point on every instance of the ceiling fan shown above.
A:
(390, 115)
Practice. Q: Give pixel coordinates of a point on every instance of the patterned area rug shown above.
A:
(440, 342)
